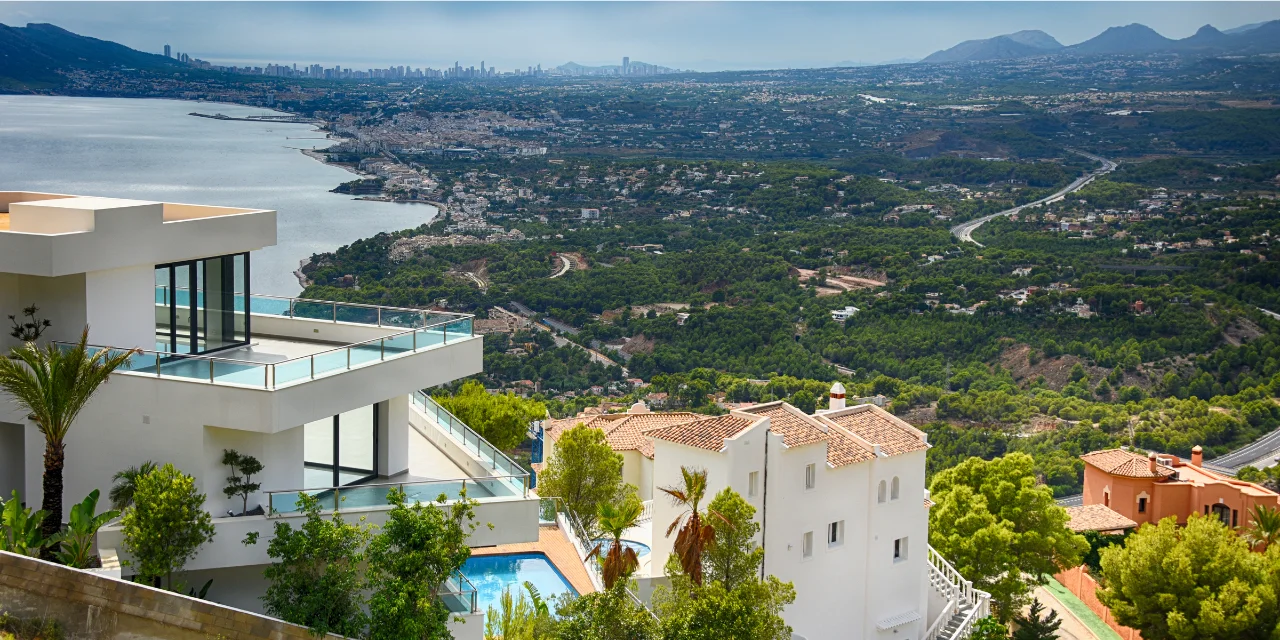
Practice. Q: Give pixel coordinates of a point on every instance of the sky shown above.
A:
(702, 36)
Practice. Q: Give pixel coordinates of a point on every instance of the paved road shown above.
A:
(1260, 453)
(565, 266)
(964, 231)
(1071, 501)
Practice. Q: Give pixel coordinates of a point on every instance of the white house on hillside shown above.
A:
(326, 395)
(841, 499)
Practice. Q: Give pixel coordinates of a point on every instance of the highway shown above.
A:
(964, 231)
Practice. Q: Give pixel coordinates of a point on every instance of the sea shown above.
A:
(153, 150)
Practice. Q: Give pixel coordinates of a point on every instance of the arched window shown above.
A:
(893, 493)
(880, 493)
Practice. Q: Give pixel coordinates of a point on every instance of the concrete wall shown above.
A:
(1079, 582)
(134, 418)
(513, 520)
(122, 233)
(118, 307)
(92, 606)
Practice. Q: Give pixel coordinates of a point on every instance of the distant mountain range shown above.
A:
(1137, 39)
(30, 56)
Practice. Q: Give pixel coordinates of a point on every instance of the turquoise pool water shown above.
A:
(492, 574)
(640, 548)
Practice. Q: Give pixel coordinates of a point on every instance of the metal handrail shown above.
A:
(333, 302)
(269, 368)
(463, 584)
(430, 403)
(578, 537)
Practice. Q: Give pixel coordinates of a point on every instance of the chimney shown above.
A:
(1151, 460)
(837, 397)
(1197, 456)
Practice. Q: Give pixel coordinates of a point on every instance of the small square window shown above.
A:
(810, 476)
(835, 534)
(806, 548)
(753, 484)
(899, 549)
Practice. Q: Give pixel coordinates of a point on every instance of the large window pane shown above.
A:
(355, 440)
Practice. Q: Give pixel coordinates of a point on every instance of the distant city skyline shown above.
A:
(702, 36)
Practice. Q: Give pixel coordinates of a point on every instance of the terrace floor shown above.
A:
(552, 543)
(268, 350)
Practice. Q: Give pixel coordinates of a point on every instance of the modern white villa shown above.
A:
(326, 395)
(841, 499)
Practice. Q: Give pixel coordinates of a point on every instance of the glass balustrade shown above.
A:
(416, 331)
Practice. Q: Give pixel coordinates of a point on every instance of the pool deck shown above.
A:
(552, 543)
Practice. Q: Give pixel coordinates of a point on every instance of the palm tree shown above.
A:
(52, 384)
(1265, 530)
(696, 534)
(620, 561)
(126, 482)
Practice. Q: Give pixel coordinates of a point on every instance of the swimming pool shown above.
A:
(492, 574)
(640, 548)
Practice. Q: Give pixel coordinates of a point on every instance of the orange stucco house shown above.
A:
(1155, 486)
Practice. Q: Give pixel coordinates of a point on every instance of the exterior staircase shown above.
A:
(964, 604)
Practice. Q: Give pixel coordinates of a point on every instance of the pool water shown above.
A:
(492, 574)
(640, 548)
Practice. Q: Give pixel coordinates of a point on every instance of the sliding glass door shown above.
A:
(203, 305)
(342, 449)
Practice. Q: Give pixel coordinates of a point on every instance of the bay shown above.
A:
(152, 150)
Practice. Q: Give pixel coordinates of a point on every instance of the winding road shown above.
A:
(964, 231)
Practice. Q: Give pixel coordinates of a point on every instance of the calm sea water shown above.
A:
(153, 150)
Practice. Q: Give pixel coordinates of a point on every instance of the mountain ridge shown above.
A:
(1130, 39)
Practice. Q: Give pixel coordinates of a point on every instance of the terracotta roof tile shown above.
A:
(877, 426)
(708, 434)
(627, 434)
(1097, 517)
(796, 430)
(1123, 463)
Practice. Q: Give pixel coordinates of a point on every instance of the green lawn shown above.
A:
(1082, 612)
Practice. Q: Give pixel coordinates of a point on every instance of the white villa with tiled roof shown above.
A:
(841, 499)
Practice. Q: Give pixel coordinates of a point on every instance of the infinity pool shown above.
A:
(492, 574)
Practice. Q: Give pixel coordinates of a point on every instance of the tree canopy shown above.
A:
(1001, 528)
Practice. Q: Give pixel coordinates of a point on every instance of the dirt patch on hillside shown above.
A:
(639, 344)
(1057, 371)
(1242, 330)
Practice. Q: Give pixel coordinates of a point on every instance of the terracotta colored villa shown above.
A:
(1155, 486)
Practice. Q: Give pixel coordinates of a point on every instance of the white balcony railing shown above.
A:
(965, 604)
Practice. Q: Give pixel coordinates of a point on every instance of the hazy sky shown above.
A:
(687, 35)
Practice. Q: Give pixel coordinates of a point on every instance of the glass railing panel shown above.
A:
(292, 371)
(480, 488)
(399, 318)
(269, 306)
(190, 368)
(312, 310)
(330, 361)
(356, 496)
(143, 362)
(356, 314)
(431, 491)
(430, 336)
(397, 344)
(461, 327)
(363, 353)
(245, 373)
(287, 501)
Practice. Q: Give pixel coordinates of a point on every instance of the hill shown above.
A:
(32, 56)
(1013, 45)
(1133, 38)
